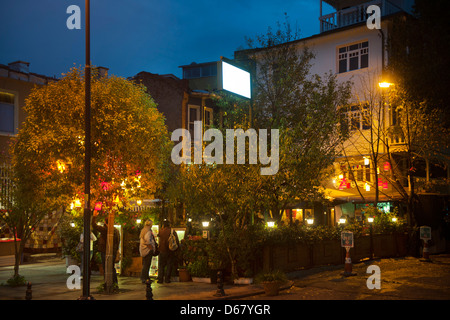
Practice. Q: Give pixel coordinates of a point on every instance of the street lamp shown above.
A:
(87, 159)
(342, 221)
(271, 224)
(205, 224)
(385, 84)
(370, 220)
(310, 221)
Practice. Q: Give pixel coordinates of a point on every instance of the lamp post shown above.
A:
(87, 161)
(370, 220)
(206, 234)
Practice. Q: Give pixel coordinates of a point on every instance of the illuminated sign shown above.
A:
(233, 79)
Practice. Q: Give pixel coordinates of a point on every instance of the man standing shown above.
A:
(101, 245)
(166, 255)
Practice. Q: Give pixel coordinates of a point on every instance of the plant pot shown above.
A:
(271, 288)
(71, 261)
(243, 281)
(184, 275)
(201, 280)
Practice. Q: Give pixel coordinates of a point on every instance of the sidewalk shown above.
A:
(401, 279)
(48, 278)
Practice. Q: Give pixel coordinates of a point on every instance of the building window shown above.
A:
(353, 57)
(208, 118)
(194, 115)
(200, 71)
(356, 117)
(8, 113)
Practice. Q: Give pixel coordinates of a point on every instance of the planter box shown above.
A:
(184, 275)
(384, 246)
(243, 281)
(286, 258)
(7, 247)
(201, 280)
(361, 250)
(135, 268)
(272, 288)
(327, 252)
(70, 261)
(6, 261)
(401, 241)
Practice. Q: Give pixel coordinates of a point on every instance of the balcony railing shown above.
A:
(354, 15)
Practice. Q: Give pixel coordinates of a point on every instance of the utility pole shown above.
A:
(87, 161)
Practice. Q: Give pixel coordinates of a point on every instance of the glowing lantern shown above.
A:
(139, 202)
(387, 166)
(98, 206)
(77, 203)
(61, 166)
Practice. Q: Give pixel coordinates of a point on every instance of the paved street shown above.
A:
(401, 279)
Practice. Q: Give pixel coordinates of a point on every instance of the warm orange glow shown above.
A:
(61, 166)
(385, 84)
(77, 203)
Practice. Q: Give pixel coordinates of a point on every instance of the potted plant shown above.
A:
(271, 281)
(69, 233)
(200, 271)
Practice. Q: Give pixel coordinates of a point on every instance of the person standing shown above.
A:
(91, 248)
(147, 248)
(166, 256)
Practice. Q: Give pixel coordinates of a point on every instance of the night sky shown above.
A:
(141, 35)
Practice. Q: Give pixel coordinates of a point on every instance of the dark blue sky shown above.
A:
(141, 35)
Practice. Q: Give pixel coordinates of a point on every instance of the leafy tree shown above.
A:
(417, 59)
(303, 107)
(130, 145)
(24, 205)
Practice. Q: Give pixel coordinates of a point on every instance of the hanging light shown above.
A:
(61, 166)
(366, 161)
(77, 203)
(98, 206)
(271, 224)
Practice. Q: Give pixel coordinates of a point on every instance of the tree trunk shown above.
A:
(109, 263)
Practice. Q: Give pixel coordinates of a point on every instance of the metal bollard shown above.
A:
(28, 293)
(220, 292)
(149, 292)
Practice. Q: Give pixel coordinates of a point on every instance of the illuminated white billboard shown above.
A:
(234, 79)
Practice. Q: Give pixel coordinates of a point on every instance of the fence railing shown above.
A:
(354, 15)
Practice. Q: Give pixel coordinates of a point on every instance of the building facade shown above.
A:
(372, 167)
